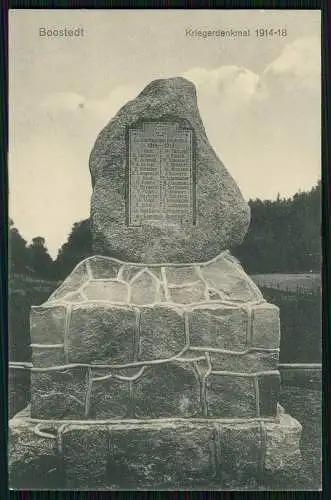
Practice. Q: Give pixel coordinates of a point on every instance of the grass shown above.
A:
(305, 406)
(304, 282)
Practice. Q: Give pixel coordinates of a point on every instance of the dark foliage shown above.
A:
(301, 324)
(77, 248)
(284, 235)
(39, 259)
(32, 260)
(18, 252)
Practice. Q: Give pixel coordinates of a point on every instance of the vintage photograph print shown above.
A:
(165, 250)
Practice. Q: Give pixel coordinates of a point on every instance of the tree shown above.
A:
(39, 259)
(77, 248)
(18, 252)
(284, 235)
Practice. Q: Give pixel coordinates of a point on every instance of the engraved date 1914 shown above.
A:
(270, 32)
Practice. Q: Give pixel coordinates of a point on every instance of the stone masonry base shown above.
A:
(162, 454)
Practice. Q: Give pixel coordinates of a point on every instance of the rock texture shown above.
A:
(222, 216)
(99, 353)
(160, 454)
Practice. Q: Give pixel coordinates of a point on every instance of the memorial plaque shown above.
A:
(160, 175)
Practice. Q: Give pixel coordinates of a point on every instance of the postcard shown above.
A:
(165, 251)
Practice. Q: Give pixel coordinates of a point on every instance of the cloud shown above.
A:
(298, 67)
(257, 123)
(229, 81)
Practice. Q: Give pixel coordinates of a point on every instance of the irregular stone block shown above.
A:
(167, 390)
(240, 451)
(249, 362)
(223, 215)
(101, 332)
(269, 391)
(110, 290)
(216, 295)
(110, 398)
(48, 356)
(85, 455)
(265, 326)
(103, 267)
(225, 275)
(188, 294)
(218, 326)
(58, 394)
(19, 384)
(47, 324)
(156, 271)
(144, 288)
(72, 283)
(129, 271)
(230, 396)
(74, 297)
(186, 275)
(32, 459)
(282, 452)
(162, 332)
(161, 455)
(155, 455)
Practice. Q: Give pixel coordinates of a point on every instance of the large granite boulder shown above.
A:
(221, 216)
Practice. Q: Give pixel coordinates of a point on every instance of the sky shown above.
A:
(259, 99)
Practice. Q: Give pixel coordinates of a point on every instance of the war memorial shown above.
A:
(155, 363)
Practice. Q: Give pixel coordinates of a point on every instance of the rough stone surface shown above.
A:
(247, 363)
(222, 214)
(218, 326)
(74, 297)
(107, 279)
(240, 450)
(145, 288)
(110, 398)
(226, 275)
(161, 454)
(58, 394)
(162, 332)
(269, 390)
(31, 458)
(102, 268)
(266, 326)
(75, 279)
(230, 396)
(283, 447)
(47, 324)
(85, 455)
(109, 290)
(188, 294)
(43, 356)
(182, 276)
(101, 332)
(168, 390)
(212, 335)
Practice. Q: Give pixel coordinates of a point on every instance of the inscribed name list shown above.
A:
(161, 189)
